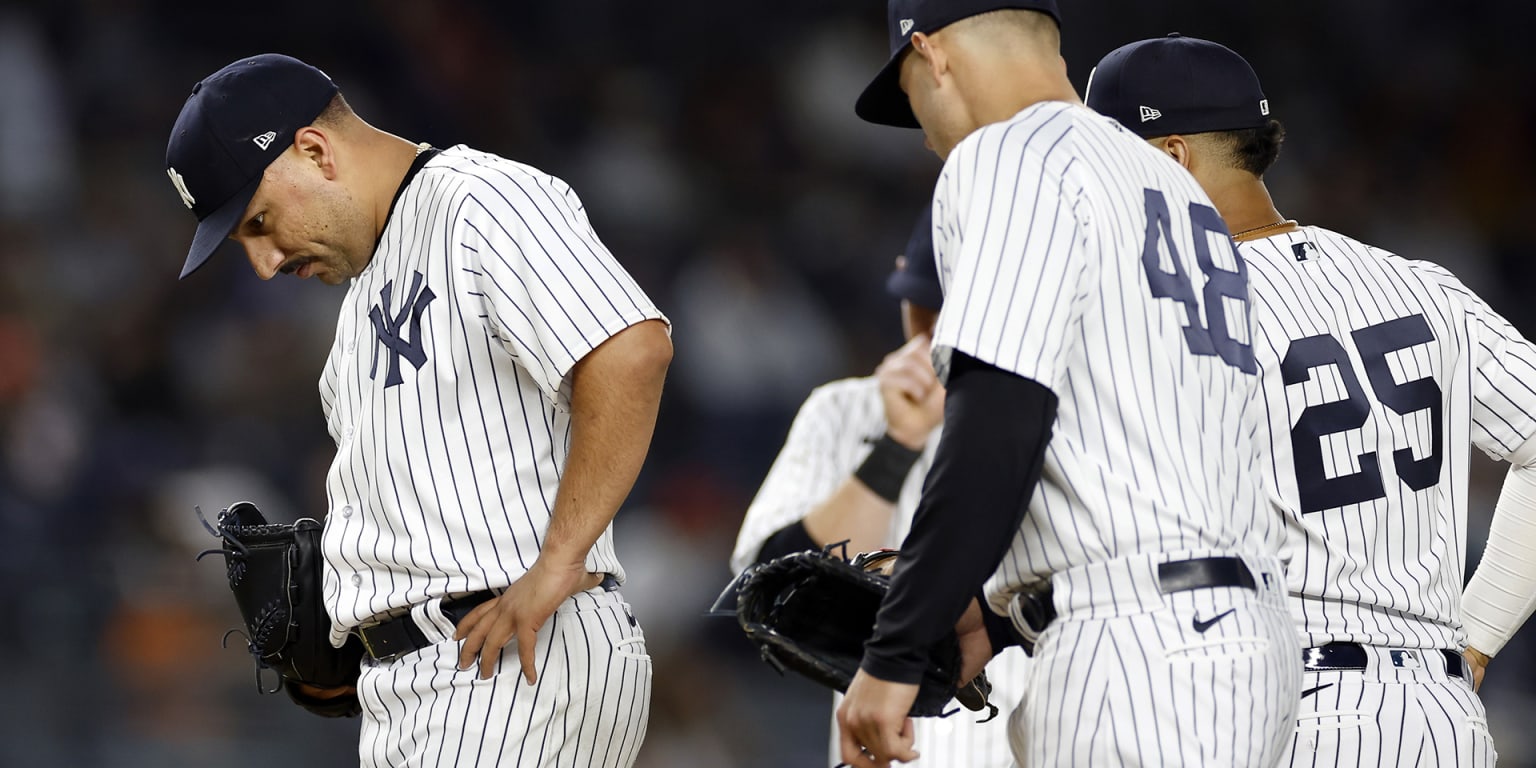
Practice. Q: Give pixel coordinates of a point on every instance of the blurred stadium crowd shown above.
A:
(716, 150)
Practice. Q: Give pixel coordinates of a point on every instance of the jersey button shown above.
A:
(351, 346)
(357, 579)
(346, 511)
(349, 433)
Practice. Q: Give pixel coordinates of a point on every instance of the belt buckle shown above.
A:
(373, 653)
(362, 634)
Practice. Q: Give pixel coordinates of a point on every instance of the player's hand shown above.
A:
(1478, 661)
(975, 645)
(872, 724)
(911, 393)
(518, 614)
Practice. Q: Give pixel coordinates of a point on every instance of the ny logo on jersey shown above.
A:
(388, 329)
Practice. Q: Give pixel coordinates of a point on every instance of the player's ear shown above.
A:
(1177, 148)
(934, 58)
(315, 147)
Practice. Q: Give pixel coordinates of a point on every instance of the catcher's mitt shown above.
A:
(812, 611)
(274, 571)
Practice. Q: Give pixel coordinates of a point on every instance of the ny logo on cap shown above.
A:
(265, 140)
(906, 26)
(181, 187)
(1148, 113)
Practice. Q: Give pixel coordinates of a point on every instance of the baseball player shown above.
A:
(492, 391)
(852, 469)
(1092, 462)
(1377, 375)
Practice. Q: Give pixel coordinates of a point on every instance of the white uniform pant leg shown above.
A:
(589, 708)
(1355, 718)
(1147, 689)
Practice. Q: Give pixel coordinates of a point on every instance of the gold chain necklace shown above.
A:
(1281, 223)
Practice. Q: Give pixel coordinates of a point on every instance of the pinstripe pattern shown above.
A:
(589, 707)
(1386, 571)
(1039, 229)
(1390, 717)
(1123, 677)
(1063, 244)
(826, 443)
(447, 465)
(831, 435)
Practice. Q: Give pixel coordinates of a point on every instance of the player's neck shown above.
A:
(391, 160)
(1010, 87)
(1245, 205)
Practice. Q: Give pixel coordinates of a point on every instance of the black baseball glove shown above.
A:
(812, 611)
(274, 572)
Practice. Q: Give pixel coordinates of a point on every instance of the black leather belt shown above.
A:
(389, 640)
(1348, 656)
(1038, 609)
(1202, 573)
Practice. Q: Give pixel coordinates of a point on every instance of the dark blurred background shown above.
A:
(716, 150)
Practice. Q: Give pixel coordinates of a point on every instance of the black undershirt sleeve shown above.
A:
(790, 538)
(996, 428)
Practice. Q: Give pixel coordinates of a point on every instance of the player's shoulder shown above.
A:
(471, 172)
(1036, 128)
(843, 395)
(1285, 254)
(1427, 272)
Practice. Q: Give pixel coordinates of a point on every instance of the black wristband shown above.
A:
(790, 538)
(1000, 629)
(885, 470)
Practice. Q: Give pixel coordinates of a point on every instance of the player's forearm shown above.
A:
(853, 513)
(1502, 592)
(997, 426)
(615, 393)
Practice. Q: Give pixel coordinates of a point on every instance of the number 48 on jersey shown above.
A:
(1213, 334)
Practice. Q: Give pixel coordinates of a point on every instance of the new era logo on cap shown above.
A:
(1198, 87)
(229, 131)
(883, 101)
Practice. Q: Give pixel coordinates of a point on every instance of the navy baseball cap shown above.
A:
(883, 101)
(1177, 84)
(235, 123)
(918, 279)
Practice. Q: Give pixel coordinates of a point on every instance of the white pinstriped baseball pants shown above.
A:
(1397, 712)
(589, 707)
(1125, 677)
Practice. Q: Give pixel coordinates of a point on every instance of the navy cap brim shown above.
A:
(883, 102)
(214, 229)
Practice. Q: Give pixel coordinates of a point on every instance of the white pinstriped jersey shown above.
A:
(446, 390)
(1378, 372)
(831, 435)
(1094, 265)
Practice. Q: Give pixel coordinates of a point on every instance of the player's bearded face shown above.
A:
(302, 224)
